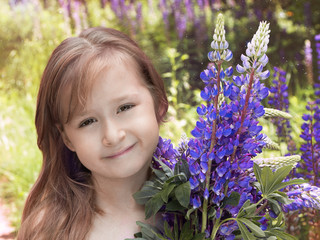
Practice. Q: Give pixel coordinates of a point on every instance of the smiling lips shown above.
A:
(122, 152)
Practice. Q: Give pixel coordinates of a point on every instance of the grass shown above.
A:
(20, 157)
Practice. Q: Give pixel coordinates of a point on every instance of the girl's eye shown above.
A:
(87, 122)
(125, 108)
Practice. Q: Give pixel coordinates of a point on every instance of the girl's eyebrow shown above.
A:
(127, 96)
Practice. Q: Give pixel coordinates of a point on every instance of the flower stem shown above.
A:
(244, 111)
(213, 143)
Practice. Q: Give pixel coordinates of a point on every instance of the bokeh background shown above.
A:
(176, 34)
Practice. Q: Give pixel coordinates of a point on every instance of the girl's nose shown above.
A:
(113, 133)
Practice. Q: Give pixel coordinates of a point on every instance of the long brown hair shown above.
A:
(61, 203)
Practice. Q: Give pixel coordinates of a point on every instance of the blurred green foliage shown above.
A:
(30, 30)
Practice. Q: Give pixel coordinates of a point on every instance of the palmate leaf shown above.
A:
(246, 235)
(256, 230)
(273, 181)
(280, 234)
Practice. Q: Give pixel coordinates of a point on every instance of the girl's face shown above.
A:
(117, 132)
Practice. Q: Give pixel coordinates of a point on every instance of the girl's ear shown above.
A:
(162, 110)
(65, 139)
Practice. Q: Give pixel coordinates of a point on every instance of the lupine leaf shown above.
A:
(149, 232)
(173, 206)
(176, 228)
(277, 178)
(199, 236)
(281, 235)
(168, 171)
(167, 189)
(160, 174)
(280, 198)
(186, 232)
(257, 173)
(245, 232)
(153, 205)
(144, 195)
(267, 179)
(274, 205)
(250, 210)
(212, 213)
(182, 167)
(279, 220)
(291, 182)
(182, 194)
(167, 230)
(232, 200)
(241, 211)
(253, 227)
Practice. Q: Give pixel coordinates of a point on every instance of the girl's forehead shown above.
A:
(83, 76)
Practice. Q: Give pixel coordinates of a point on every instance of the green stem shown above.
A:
(213, 143)
(217, 225)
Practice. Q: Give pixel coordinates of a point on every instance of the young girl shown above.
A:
(99, 107)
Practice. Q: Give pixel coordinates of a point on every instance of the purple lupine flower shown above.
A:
(227, 134)
(311, 148)
(317, 38)
(303, 196)
(279, 100)
(308, 61)
(166, 153)
(165, 12)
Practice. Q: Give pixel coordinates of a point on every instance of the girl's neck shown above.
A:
(115, 195)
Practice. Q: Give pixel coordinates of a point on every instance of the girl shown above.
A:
(98, 112)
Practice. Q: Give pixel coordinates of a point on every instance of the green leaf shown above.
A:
(167, 230)
(256, 230)
(182, 193)
(212, 213)
(245, 232)
(160, 174)
(291, 182)
(232, 200)
(149, 232)
(145, 194)
(186, 232)
(277, 178)
(173, 206)
(281, 235)
(153, 205)
(267, 179)
(257, 173)
(241, 210)
(280, 198)
(167, 189)
(274, 206)
(165, 168)
(250, 210)
(176, 228)
(199, 236)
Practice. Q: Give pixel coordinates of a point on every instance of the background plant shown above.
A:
(29, 30)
